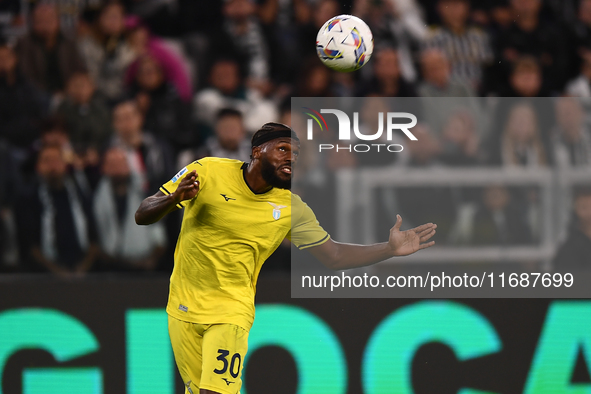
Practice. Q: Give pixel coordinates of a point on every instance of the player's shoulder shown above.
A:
(298, 206)
(221, 161)
(213, 163)
(210, 160)
(295, 198)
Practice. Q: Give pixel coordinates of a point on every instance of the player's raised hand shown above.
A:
(407, 242)
(188, 188)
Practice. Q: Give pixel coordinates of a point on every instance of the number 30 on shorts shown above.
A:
(234, 363)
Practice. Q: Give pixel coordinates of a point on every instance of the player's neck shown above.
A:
(254, 179)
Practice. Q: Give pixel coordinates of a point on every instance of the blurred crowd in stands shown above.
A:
(102, 101)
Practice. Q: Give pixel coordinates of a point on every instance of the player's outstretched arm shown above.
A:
(155, 207)
(340, 256)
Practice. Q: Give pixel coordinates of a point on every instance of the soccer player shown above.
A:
(236, 215)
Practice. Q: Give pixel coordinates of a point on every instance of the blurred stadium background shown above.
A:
(101, 102)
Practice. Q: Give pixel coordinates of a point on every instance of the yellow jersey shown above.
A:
(228, 232)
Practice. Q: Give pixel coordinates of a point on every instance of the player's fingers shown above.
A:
(190, 176)
(426, 230)
(423, 227)
(426, 237)
(398, 222)
(189, 186)
(427, 245)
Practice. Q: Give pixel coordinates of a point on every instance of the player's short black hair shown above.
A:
(271, 131)
(227, 112)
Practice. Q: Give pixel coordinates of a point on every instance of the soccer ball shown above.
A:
(344, 43)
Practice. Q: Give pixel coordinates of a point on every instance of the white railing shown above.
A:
(356, 215)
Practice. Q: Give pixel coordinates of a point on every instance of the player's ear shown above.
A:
(256, 152)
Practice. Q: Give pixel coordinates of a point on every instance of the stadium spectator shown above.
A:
(227, 90)
(160, 15)
(437, 81)
(460, 147)
(384, 198)
(534, 54)
(398, 23)
(572, 135)
(106, 52)
(460, 142)
(580, 37)
(82, 162)
(285, 24)
(165, 114)
(387, 80)
(563, 11)
(55, 222)
(69, 13)
(86, 114)
(52, 131)
(12, 21)
(498, 220)
(148, 157)
(143, 44)
(574, 253)
(437, 84)
(501, 16)
(314, 80)
(47, 57)
(9, 189)
(525, 85)
(525, 80)
(241, 37)
(520, 143)
(229, 142)
(124, 245)
(581, 86)
(369, 123)
(466, 47)
(413, 201)
(424, 154)
(322, 11)
(532, 36)
(21, 105)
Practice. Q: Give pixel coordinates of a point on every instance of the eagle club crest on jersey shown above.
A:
(277, 210)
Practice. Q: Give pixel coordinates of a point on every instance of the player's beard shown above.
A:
(269, 174)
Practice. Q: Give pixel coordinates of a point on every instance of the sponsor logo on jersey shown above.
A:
(226, 197)
(183, 308)
(178, 175)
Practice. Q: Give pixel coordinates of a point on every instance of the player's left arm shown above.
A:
(341, 256)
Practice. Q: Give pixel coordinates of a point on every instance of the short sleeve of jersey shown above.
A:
(200, 167)
(305, 231)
